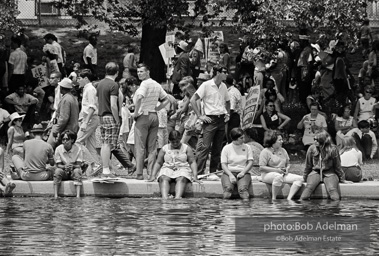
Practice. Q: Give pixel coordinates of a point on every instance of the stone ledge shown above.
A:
(208, 189)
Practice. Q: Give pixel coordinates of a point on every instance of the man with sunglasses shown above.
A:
(215, 98)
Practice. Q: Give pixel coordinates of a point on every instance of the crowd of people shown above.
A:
(71, 128)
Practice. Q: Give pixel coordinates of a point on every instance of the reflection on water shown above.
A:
(101, 226)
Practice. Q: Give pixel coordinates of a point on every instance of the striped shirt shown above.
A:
(18, 59)
(150, 91)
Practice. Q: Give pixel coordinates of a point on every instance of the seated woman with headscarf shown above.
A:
(175, 163)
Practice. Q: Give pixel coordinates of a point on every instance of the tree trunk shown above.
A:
(150, 55)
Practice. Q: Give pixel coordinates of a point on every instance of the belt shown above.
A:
(216, 116)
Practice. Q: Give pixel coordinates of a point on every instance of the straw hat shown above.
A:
(65, 83)
(183, 45)
(37, 128)
(203, 76)
(15, 116)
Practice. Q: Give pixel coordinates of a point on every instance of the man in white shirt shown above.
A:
(215, 98)
(90, 55)
(17, 65)
(146, 119)
(88, 117)
(364, 139)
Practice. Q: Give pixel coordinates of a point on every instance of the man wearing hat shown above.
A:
(37, 154)
(67, 114)
(182, 67)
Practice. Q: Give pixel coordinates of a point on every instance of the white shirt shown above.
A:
(150, 91)
(18, 59)
(350, 158)
(311, 127)
(213, 97)
(89, 99)
(59, 51)
(90, 52)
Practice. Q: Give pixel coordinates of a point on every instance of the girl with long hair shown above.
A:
(323, 164)
(351, 159)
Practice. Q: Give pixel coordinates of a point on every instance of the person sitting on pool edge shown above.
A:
(6, 186)
(236, 162)
(68, 157)
(274, 166)
(323, 164)
(175, 162)
(37, 154)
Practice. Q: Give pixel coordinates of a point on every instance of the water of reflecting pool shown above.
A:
(103, 226)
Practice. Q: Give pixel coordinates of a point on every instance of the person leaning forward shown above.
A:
(37, 154)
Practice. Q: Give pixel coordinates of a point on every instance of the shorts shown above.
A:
(109, 131)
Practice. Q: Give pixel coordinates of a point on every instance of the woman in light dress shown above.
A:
(175, 163)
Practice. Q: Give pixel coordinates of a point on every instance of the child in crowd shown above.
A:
(74, 74)
(162, 128)
(351, 160)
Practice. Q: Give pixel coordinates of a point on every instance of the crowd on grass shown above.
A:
(70, 128)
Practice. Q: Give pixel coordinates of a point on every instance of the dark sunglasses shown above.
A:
(368, 91)
(270, 106)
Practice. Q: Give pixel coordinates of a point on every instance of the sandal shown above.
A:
(8, 189)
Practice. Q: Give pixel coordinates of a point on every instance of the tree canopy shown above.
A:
(9, 12)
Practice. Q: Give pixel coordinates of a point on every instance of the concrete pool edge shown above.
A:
(208, 189)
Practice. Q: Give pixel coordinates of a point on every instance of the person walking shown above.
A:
(88, 117)
(108, 93)
(146, 118)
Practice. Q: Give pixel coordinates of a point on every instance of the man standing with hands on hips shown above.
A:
(215, 98)
(146, 118)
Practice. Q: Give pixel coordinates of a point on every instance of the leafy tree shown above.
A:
(154, 16)
(265, 20)
(9, 12)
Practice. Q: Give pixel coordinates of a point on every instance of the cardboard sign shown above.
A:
(40, 73)
(212, 54)
(251, 107)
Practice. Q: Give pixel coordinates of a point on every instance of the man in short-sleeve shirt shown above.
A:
(37, 153)
(17, 65)
(145, 115)
(107, 93)
(215, 98)
(90, 55)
